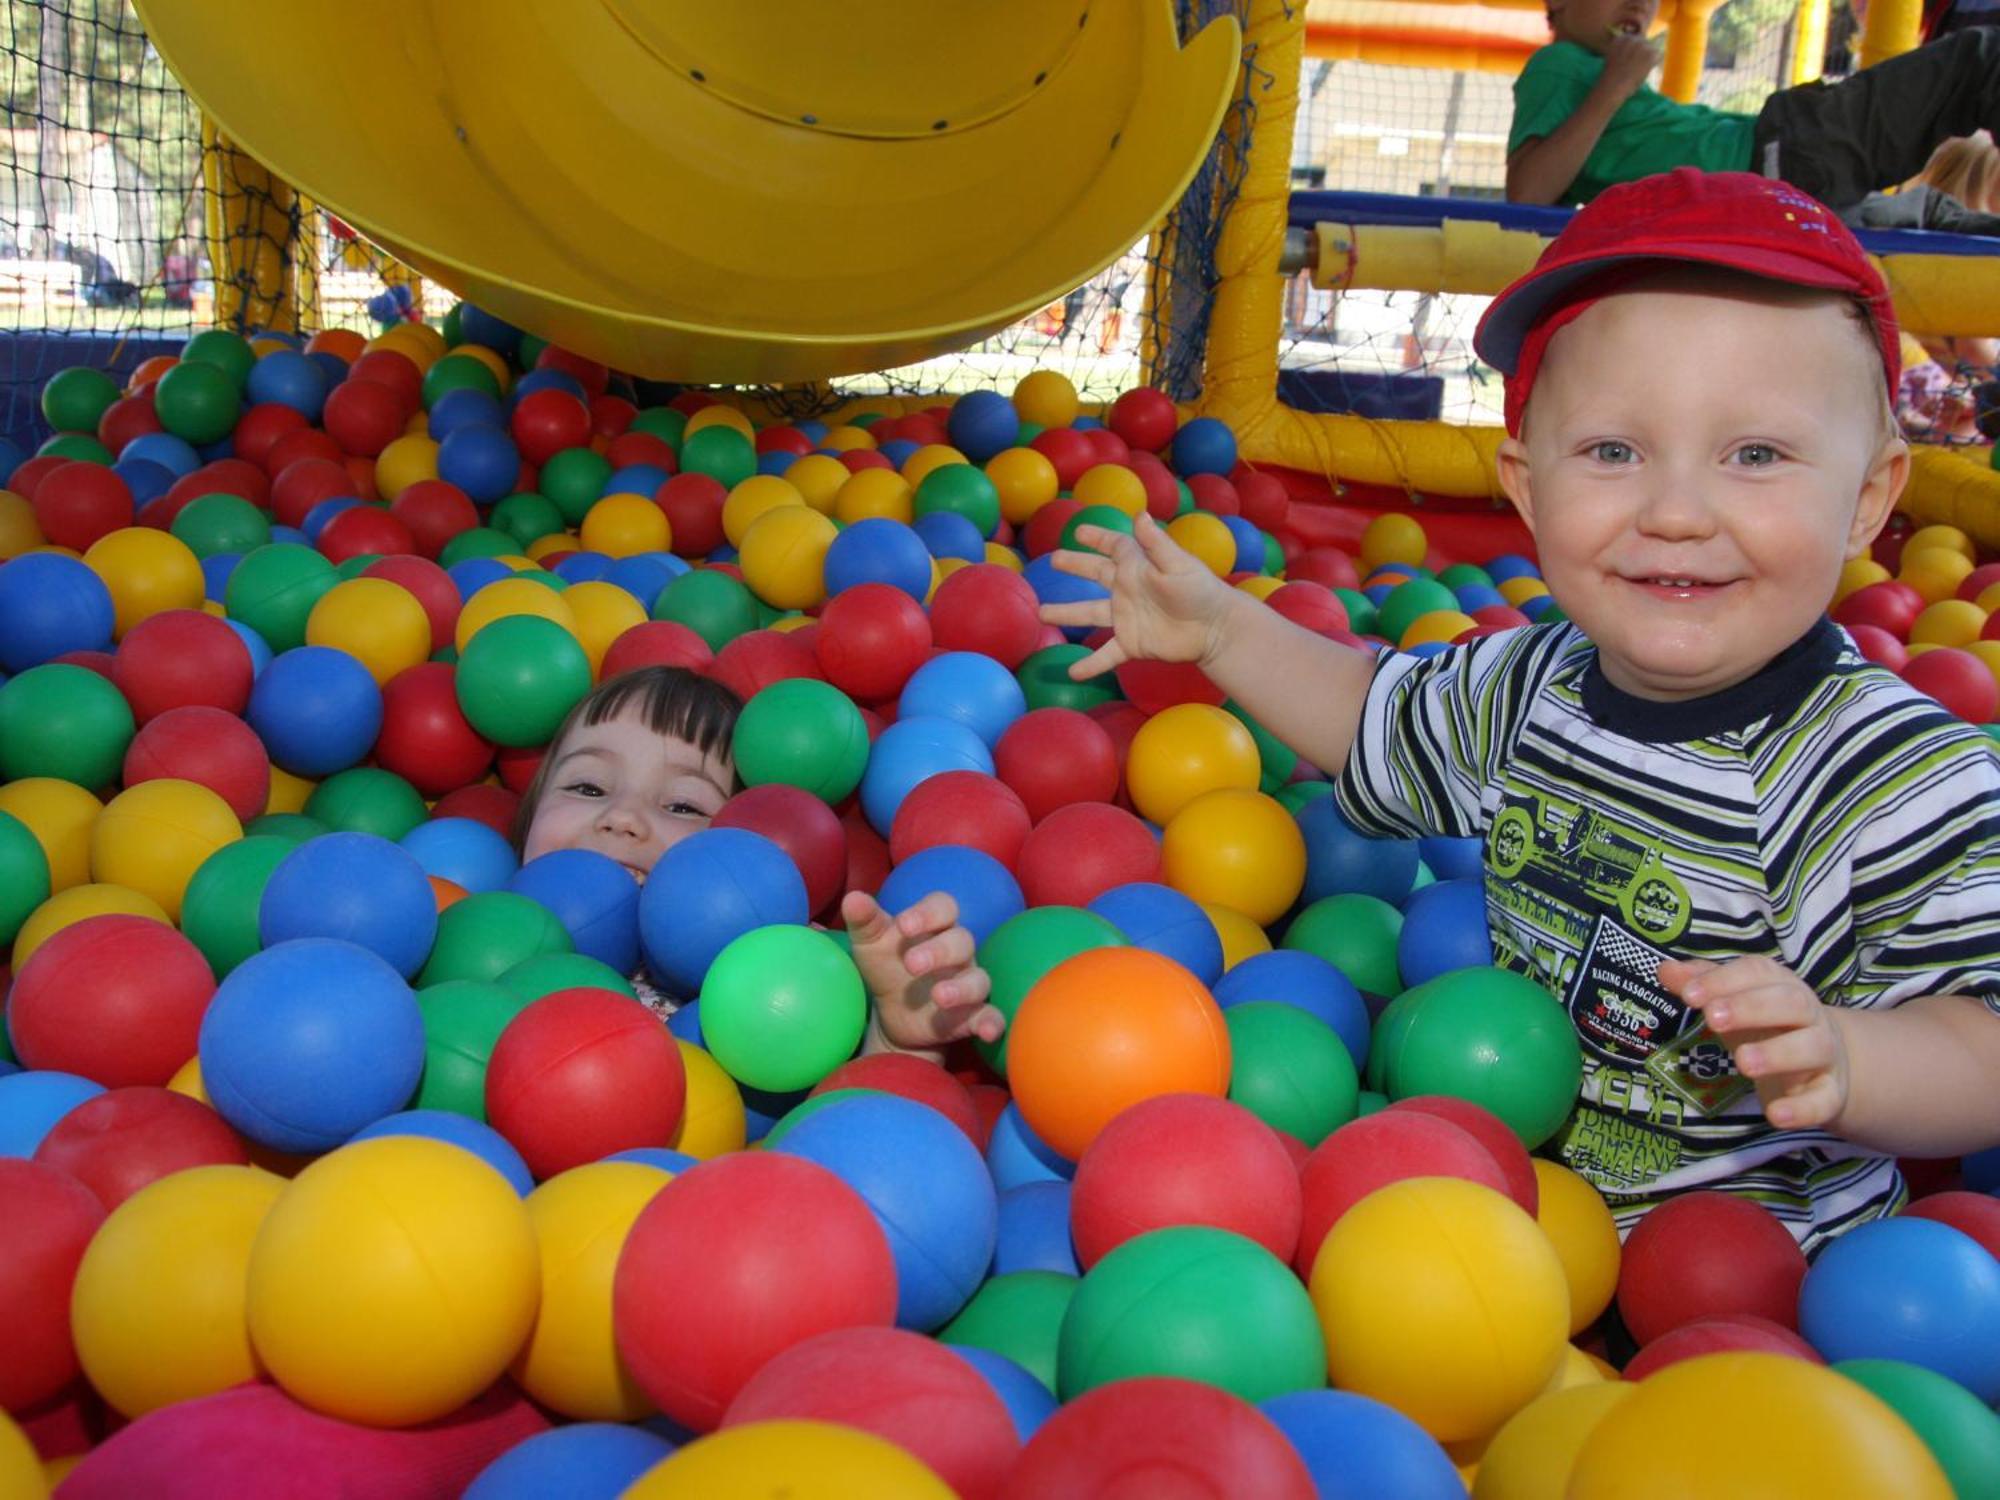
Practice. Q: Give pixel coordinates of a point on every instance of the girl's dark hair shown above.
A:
(672, 700)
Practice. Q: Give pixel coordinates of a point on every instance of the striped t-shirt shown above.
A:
(1821, 813)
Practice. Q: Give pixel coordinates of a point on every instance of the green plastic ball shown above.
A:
(1458, 575)
(1408, 601)
(197, 402)
(452, 326)
(219, 911)
(532, 345)
(709, 602)
(1274, 555)
(663, 422)
(226, 350)
(546, 973)
(962, 490)
(367, 799)
(459, 372)
(525, 517)
(355, 566)
(293, 827)
(1024, 948)
(1361, 610)
(273, 590)
(1290, 1069)
(1046, 683)
(488, 933)
(518, 677)
(24, 875)
(63, 721)
(1019, 1315)
(76, 399)
(804, 733)
(1276, 760)
(463, 1019)
(1488, 1035)
(722, 453)
(214, 524)
(1369, 1102)
(1194, 1302)
(805, 1109)
(1961, 1431)
(477, 541)
(1294, 795)
(77, 445)
(1357, 935)
(782, 1007)
(574, 480)
(1110, 517)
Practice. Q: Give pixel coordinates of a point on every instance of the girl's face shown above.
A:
(623, 789)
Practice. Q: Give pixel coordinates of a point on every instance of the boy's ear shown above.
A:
(1510, 464)
(1880, 491)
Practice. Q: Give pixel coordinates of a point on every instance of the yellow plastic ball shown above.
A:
(550, 545)
(158, 1306)
(422, 344)
(796, 1460)
(786, 624)
(21, 1473)
(1934, 572)
(1113, 485)
(1241, 937)
(1239, 849)
(187, 1080)
(714, 1121)
(1761, 1424)
(289, 793)
(1531, 1457)
(719, 416)
(1988, 652)
(70, 906)
(1004, 556)
(378, 623)
(1579, 1225)
(510, 596)
(153, 836)
(1578, 1368)
(1261, 587)
(410, 459)
(393, 1281)
(1437, 625)
(1949, 622)
(520, 562)
(570, 1361)
(1443, 1299)
(1211, 543)
(1394, 537)
(930, 456)
(784, 556)
(1859, 573)
(847, 439)
(59, 814)
(818, 478)
(492, 359)
(1025, 481)
(1518, 591)
(147, 572)
(1185, 750)
(1047, 398)
(751, 499)
(624, 525)
(603, 612)
(1949, 537)
(19, 531)
(875, 494)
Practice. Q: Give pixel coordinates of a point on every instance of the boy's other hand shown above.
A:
(1628, 60)
(1164, 604)
(921, 972)
(1784, 1039)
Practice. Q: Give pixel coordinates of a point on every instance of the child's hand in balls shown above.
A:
(1783, 1037)
(1164, 605)
(919, 966)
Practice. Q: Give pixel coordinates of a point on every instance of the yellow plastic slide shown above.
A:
(724, 190)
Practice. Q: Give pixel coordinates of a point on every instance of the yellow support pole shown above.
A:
(1809, 41)
(251, 224)
(1891, 29)
(1687, 46)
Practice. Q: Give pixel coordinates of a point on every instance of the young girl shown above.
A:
(643, 761)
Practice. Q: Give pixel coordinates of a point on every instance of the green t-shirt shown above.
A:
(1650, 133)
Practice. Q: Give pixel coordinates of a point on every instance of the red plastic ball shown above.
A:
(517, 764)
(116, 999)
(657, 643)
(364, 531)
(123, 1139)
(757, 658)
(867, 851)
(1327, 566)
(1122, 1439)
(1065, 448)
(913, 1078)
(1079, 852)
(259, 428)
(1976, 1214)
(960, 807)
(360, 476)
(208, 746)
(1052, 757)
(364, 416)
(630, 448)
(693, 503)
(786, 438)
(734, 1262)
(236, 476)
(1491, 1132)
(1313, 605)
(179, 658)
(1153, 685)
(1889, 605)
(1730, 1333)
(801, 825)
(914, 1391)
(435, 511)
(127, 418)
(547, 421)
(1266, 504)
(426, 738)
(1958, 680)
(1881, 647)
(988, 609)
(300, 486)
(1106, 446)
(1498, 617)
(297, 447)
(1184, 1159)
(1043, 533)
(871, 638)
(50, 1218)
(582, 1074)
(397, 371)
(854, 460)
(78, 502)
(1145, 418)
(1215, 495)
(1163, 489)
(1978, 581)
(589, 373)
(483, 802)
(429, 585)
(1371, 1153)
(1704, 1255)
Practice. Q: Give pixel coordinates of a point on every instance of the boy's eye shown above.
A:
(687, 810)
(1612, 451)
(585, 789)
(1756, 455)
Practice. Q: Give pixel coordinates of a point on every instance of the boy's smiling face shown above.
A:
(1592, 23)
(1696, 464)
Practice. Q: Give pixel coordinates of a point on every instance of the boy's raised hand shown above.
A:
(1783, 1037)
(1164, 604)
(1629, 60)
(921, 972)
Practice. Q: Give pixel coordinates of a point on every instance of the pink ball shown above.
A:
(1371, 1153)
(1705, 1255)
(801, 825)
(117, 999)
(182, 657)
(1079, 852)
(1052, 757)
(1491, 1132)
(206, 745)
(1719, 1335)
(960, 807)
(1185, 1159)
(50, 1217)
(1145, 418)
(119, 1141)
(871, 638)
(988, 609)
(582, 1074)
(913, 1391)
(757, 658)
(1958, 680)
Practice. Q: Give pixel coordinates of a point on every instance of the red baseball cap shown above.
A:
(1756, 225)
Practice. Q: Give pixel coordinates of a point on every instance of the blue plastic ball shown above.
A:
(481, 1139)
(1453, 859)
(685, 1023)
(316, 709)
(986, 891)
(1444, 928)
(488, 330)
(708, 890)
(913, 750)
(308, 1041)
(1357, 1448)
(644, 575)
(333, 364)
(1249, 544)
(176, 455)
(1052, 586)
(549, 380)
(480, 459)
(968, 687)
(358, 888)
(470, 854)
(285, 377)
(1472, 596)
(1307, 981)
(948, 534)
(32, 1101)
(1342, 862)
(472, 574)
(316, 519)
(776, 461)
(664, 1157)
(1203, 446)
(255, 644)
(1538, 607)
(927, 1188)
(582, 567)
(215, 571)
(1161, 920)
(879, 550)
(593, 896)
(50, 604)
(462, 408)
(1016, 1155)
(898, 451)
(1034, 1230)
(1511, 565)
(144, 478)
(981, 424)
(1029, 1403)
(1426, 649)
(582, 1461)
(636, 479)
